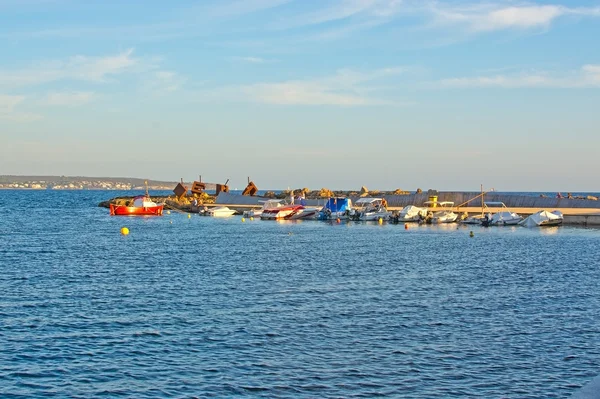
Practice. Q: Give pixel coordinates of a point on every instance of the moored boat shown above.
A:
(445, 214)
(411, 213)
(335, 208)
(220, 211)
(141, 205)
(268, 204)
(283, 212)
(543, 218)
(370, 209)
(503, 218)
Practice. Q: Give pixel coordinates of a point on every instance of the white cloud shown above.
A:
(241, 7)
(82, 68)
(587, 76)
(252, 60)
(9, 111)
(68, 99)
(345, 88)
(487, 17)
(162, 81)
(341, 10)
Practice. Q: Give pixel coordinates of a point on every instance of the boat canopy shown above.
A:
(412, 211)
(368, 200)
(338, 204)
(141, 201)
(542, 217)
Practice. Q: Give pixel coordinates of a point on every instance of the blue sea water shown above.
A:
(203, 307)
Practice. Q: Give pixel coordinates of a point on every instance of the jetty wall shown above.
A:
(458, 197)
(510, 200)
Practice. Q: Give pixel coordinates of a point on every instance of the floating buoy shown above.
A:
(338, 220)
(243, 219)
(170, 221)
(380, 220)
(251, 217)
(471, 234)
(124, 231)
(168, 212)
(189, 216)
(405, 226)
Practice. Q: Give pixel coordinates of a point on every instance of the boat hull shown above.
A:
(122, 210)
(282, 213)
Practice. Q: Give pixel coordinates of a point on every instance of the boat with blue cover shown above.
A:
(335, 208)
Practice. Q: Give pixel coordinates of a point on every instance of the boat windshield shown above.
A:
(368, 203)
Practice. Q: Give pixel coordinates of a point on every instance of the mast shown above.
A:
(482, 202)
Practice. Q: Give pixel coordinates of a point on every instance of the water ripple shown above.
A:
(218, 308)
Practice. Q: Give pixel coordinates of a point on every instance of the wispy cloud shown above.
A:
(347, 12)
(241, 7)
(9, 109)
(164, 81)
(68, 99)
(345, 88)
(80, 68)
(252, 60)
(588, 76)
(488, 17)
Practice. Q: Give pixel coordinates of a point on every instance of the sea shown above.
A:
(197, 307)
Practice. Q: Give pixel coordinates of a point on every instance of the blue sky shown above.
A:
(329, 93)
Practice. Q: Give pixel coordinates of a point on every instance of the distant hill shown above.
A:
(70, 179)
(86, 181)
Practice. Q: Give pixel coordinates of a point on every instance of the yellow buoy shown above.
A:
(189, 216)
(471, 234)
(380, 220)
(168, 212)
(251, 217)
(243, 219)
(124, 231)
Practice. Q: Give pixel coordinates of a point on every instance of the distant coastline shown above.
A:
(12, 182)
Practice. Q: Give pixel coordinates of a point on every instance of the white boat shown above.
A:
(369, 209)
(220, 211)
(282, 212)
(412, 213)
(268, 204)
(543, 218)
(445, 214)
(503, 218)
(475, 219)
(305, 213)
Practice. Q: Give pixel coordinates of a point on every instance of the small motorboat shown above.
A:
(141, 205)
(412, 213)
(268, 204)
(282, 212)
(543, 218)
(219, 211)
(335, 208)
(445, 214)
(503, 218)
(305, 213)
(370, 209)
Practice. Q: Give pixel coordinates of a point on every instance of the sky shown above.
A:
(387, 94)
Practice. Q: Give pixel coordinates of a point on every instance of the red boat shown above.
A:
(283, 212)
(142, 206)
